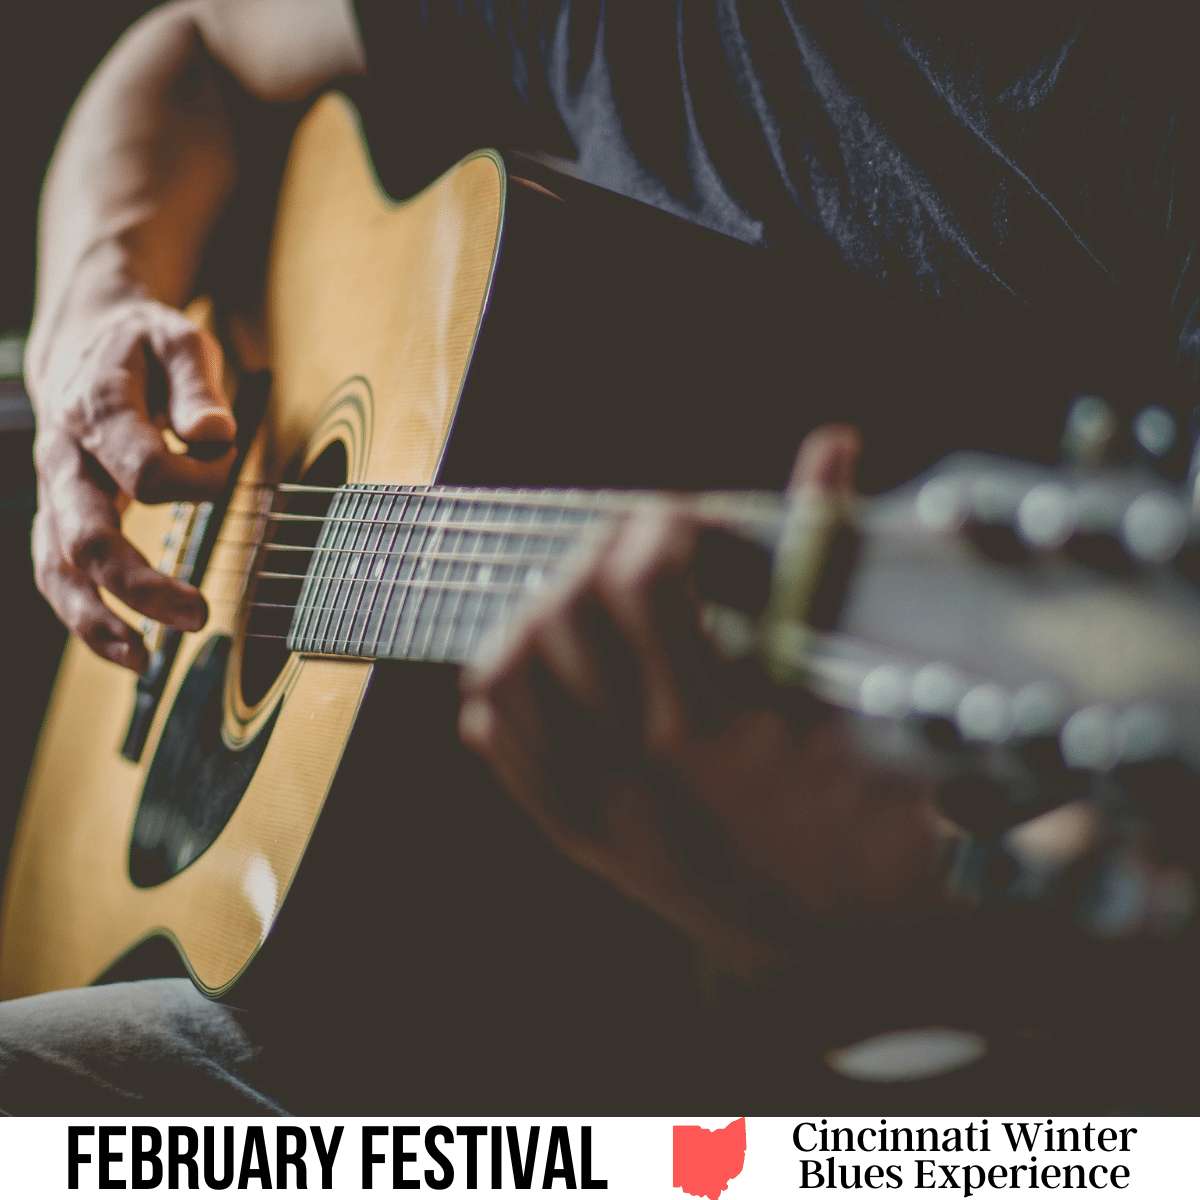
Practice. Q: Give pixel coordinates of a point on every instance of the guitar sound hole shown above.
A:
(195, 781)
(273, 600)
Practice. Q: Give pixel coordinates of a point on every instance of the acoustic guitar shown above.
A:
(365, 523)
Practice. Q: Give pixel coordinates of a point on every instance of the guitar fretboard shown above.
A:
(420, 573)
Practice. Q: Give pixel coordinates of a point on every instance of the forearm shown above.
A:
(147, 158)
(144, 166)
(140, 173)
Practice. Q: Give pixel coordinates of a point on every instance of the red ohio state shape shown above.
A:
(705, 1160)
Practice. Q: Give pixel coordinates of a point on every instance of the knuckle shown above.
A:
(622, 587)
(139, 596)
(47, 453)
(95, 633)
(666, 736)
(175, 335)
(42, 571)
(87, 545)
(89, 404)
(477, 726)
(147, 476)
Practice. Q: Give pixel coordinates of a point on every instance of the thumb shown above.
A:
(192, 359)
(826, 460)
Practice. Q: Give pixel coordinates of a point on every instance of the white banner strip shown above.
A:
(645, 1157)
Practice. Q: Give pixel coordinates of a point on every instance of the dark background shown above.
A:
(50, 49)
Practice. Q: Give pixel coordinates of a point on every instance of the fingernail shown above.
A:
(132, 657)
(475, 723)
(190, 616)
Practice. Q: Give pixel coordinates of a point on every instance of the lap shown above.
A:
(156, 1046)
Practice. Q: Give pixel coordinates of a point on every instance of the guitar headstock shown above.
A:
(1032, 636)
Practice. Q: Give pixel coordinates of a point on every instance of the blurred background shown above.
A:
(51, 49)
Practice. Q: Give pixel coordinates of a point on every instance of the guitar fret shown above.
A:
(461, 620)
(422, 573)
(413, 594)
(373, 535)
(394, 595)
(520, 576)
(316, 587)
(426, 622)
(429, 570)
(344, 561)
(379, 568)
(453, 565)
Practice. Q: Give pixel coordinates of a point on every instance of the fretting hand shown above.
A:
(604, 714)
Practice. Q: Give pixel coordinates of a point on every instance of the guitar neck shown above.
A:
(419, 573)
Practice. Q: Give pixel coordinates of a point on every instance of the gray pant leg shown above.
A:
(157, 1047)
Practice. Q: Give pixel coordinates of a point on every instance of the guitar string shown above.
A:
(439, 539)
(550, 532)
(420, 504)
(404, 501)
(358, 589)
(500, 529)
(454, 620)
(430, 537)
(569, 498)
(329, 622)
(553, 531)
(299, 517)
(506, 588)
(354, 501)
(454, 558)
(508, 592)
(506, 600)
(489, 556)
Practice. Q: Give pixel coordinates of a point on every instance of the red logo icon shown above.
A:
(705, 1160)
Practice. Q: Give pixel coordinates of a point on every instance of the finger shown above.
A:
(77, 602)
(592, 662)
(520, 758)
(89, 539)
(105, 411)
(827, 459)
(638, 855)
(197, 406)
(579, 759)
(653, 550)
(563, 743)
(484, 730)
(133, 452)
(544, 615)
(506, 692)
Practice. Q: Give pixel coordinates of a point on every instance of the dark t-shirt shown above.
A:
(1021, 158)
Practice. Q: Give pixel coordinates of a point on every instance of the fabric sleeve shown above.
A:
(449, 76)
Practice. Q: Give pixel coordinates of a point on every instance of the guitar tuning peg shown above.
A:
(1089, 431)
(1147, 733)
(1155, 527)
(1155, 431)
(1047, 516)
(993, 522)
(1090, 739)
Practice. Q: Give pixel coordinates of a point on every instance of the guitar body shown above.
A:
(375, 312)
(506, 326)
(408, 282)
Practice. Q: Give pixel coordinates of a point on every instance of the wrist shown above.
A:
(101, 290)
